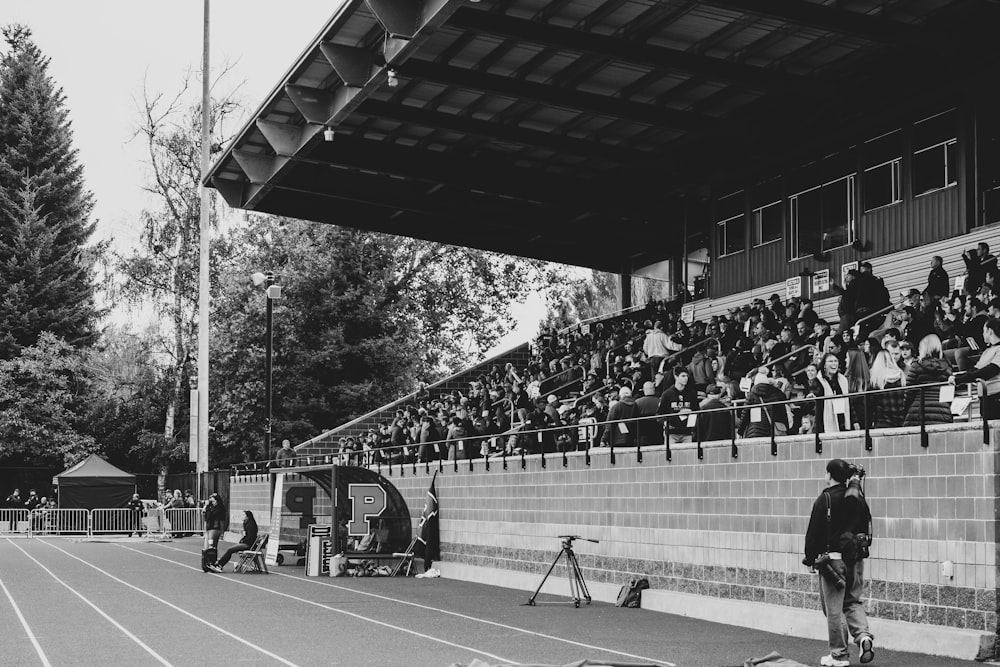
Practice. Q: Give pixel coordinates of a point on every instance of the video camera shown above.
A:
(856, 471)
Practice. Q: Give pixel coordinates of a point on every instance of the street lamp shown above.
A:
(273, 292)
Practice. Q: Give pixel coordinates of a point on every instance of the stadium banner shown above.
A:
(319, 550)
(274, 535)
(687, 313)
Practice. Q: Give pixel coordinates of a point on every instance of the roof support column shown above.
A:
(626, 289)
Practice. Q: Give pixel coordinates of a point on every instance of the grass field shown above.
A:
(65, 602)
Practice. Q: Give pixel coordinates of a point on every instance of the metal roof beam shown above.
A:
(354, 66)
(287, 139)
(852, 24)
(320, 106)
(569, 39)
(259, 168)
(554, 96)
(400, 18)
(231, 191)
(500, 133)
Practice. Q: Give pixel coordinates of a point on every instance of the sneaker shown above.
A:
(867, 653)
(830, 661)
(214, 568)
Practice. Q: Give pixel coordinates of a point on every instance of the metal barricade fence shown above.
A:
(189, 520)
(13, 522)
(110, 521)
(60, 522)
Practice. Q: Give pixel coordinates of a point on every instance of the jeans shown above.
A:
(235, 549)
(677, 439)
(843, 609)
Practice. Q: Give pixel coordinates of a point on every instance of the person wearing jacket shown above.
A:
(621, 432)
(215, 522)
(888, 410)
(650, 431)
(679, 399)
(763, 392)
(987, 368)
(836, 412)
(836, 517)
(246, 541)
(704, 366)
(714, 426)
(929, 367)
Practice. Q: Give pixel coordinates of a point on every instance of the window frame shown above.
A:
(947, 170)
(793, 221)
(756, 221)
(897, 183)
(722, 225)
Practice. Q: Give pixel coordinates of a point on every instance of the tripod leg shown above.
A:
(574, 589)
(531, 600)
(578, 573)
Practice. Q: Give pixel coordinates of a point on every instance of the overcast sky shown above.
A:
(103, 50)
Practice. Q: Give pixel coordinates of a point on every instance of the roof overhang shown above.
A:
(577, 130)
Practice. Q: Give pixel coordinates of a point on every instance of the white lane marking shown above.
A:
(468, 618)
(159, 658)
(333, 609)
(24, 624)
(176, 608)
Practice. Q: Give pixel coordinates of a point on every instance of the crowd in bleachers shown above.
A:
(651, 363)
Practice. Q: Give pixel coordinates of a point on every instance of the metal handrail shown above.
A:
(689, 348)
(251, 468)
(882, 311)
(786, 356)
(598, 318)
(607, 357)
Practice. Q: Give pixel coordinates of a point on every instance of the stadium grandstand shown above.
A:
(818, 185)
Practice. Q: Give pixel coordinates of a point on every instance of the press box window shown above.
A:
(731, 224)
(822, 218)
(767, 223)
(935, 153)
(881, 185)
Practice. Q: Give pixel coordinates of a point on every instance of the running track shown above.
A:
(133, 603)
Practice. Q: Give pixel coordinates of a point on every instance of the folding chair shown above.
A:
(252, 560)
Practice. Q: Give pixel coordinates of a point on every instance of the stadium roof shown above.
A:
(574, 130)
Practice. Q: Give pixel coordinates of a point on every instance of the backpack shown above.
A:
(631, 595)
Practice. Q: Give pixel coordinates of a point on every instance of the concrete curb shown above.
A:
(894, 635)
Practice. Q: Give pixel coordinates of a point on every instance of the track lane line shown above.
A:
(24, 624)
(333, 609)
(456, 614)
(176, 608)
(159, 658)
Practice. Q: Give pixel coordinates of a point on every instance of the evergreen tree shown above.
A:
(46, 275)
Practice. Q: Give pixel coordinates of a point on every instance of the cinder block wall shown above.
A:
(733, 528)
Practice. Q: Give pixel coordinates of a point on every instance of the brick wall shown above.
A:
(733, 528)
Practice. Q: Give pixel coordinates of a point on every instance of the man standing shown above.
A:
(938, 284)
(650, 432)
(14, 500)
(679, 400)
(286, 453)
(838, 515)
(655, 347)
(714, 425)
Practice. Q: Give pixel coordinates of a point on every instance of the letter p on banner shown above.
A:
(367, 502)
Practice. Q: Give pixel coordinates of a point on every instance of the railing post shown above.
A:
(523, 464)
(868, 424)
(924, 442)
(818, 408)
(503, 454)
(666, 438)
(390, 466)
(701, 451)
(638, 447)
(734, 450)
(770, 417)
(541, 448)
(611, 441)
(983, 405)
(440, 460)
(590, 441)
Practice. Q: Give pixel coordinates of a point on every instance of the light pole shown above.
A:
(272, 291)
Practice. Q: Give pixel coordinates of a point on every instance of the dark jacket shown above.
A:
(846, 516)
(249, 531)
(760, 394)
(215, 517)
(650, 430)
(714, 425)
(623, 409)
(938, 283)
(929, 369)
(672, 401)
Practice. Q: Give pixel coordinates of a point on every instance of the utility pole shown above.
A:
(204, 241)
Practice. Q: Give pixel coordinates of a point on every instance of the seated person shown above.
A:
(246, 541)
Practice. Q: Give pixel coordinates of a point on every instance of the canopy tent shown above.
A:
(94, 483)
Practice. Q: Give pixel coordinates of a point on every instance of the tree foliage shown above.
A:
(42, 392)
(46, 281)
(362, 318)
(574, 294)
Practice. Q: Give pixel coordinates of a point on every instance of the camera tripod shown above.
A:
(577, 586)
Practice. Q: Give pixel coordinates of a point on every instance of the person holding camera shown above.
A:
(836, 545)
